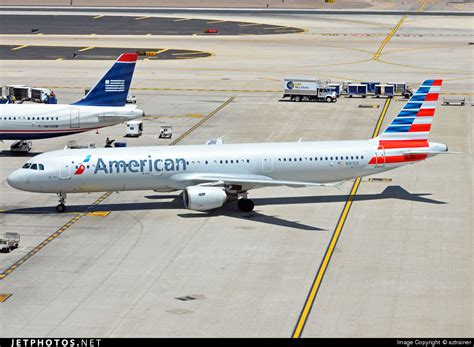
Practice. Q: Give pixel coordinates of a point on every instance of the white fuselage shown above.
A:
(163, 168)
(39, 121)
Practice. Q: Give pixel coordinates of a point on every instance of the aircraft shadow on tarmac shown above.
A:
(19, 154)
(230, 210)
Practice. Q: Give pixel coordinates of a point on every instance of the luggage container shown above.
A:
(40, 94)
(370, 86)
(384, 90)
(357, 89)
(400, 87)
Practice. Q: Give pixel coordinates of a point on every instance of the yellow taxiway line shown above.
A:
(86, 49)
(389, 36)
(19, 47)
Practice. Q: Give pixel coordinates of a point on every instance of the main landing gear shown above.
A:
(62, 199)
(245, 205)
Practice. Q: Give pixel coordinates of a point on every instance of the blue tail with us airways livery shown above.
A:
(112, 88)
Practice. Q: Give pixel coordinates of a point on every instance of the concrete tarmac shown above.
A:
(402, 265)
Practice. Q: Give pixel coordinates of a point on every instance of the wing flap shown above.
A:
(242, 179)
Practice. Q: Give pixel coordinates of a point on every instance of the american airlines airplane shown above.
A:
(212, 175)
(104, 105)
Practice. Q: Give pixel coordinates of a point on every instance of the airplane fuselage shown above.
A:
(40, 121)
(161, 168)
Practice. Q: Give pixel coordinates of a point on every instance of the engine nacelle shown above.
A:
(200, 198)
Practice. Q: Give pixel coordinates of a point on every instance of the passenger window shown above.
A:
(331, 158)
(352, 158)
(232, 162)
(362, 157)
(41, 166)
(326, 158)
(34, 167)
(248, 161)
(357, 157)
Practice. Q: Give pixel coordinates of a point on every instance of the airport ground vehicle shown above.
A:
(9, 242)
(166, 132)
(21, 146)
(211, 175)
(134, 128)
(131, 99)
(308, 90)
(454, 101)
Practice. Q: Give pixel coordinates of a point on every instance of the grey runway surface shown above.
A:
(127, 25)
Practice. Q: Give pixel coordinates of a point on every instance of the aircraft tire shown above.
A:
(245, 205)
(60, 208)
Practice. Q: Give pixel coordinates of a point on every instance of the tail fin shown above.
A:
(112, 88)
(413, 122)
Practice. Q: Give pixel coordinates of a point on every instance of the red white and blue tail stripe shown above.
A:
(413, 122)
(406, 138)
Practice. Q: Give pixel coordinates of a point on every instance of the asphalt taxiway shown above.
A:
(396, 262)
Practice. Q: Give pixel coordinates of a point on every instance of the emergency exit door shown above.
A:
(380, 157)
(267, 164)
(75, 118)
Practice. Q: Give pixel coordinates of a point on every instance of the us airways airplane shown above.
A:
(212, 175)
(104, 105)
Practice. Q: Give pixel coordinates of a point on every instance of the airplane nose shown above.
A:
(16, 179)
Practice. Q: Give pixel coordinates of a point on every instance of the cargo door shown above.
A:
(267, 164)
(380, 157)
(65, 170)
(75, 118)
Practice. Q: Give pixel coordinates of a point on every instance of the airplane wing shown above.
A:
(246, 181)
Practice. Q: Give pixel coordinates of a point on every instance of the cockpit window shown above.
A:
(41, 166)
(34, 167)
(26, 166)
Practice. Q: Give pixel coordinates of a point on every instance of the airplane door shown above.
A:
(267, 164)
(380, 157)
(74, 118)
(65, 170)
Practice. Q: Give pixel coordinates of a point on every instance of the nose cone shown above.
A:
(17, 180)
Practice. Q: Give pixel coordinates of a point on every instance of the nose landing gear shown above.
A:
(62, 199)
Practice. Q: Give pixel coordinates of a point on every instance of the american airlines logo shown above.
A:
(114, 85)
(82, 167)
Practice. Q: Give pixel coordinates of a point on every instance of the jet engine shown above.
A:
(201, 198)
